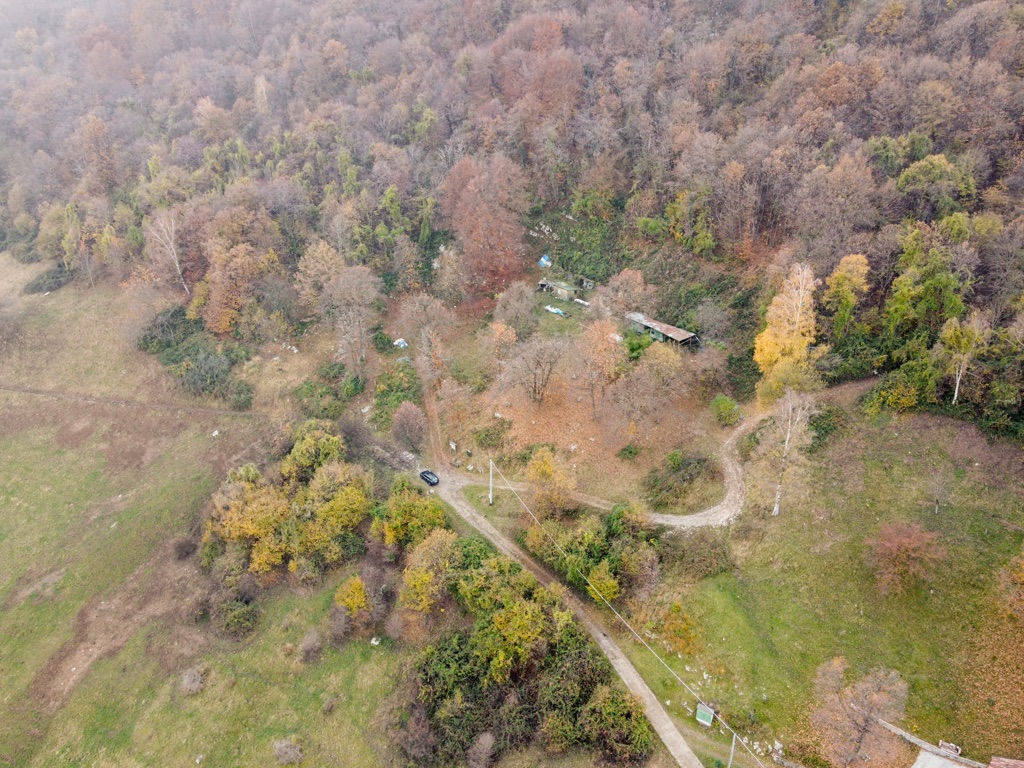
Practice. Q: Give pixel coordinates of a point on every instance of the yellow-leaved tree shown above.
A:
(844, 288)
(429, 570)
(783, 350)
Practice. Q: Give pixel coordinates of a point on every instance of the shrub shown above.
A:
(50, 280)
(628, 452)
(614, 722)
(207, 374)
(726, 410)
(332, 373)
(825, 423)
(287, 752)
(902, 553)
(637, 344)
(311, 646)
(241, 395)
(395, 385)
(664, 486)
(239, 618)
(340, 624)
(192, 680)
(492, 436)
(319, 401)
(351, 596)
(382, 342)
(699, 554)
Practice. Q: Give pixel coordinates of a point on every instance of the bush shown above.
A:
(726, 410)
(743, 374)
(382, 342)
(825, 423)
(697, 555)
(192, 680)
(614, 722)
(395, 385)
(241, 395)
(637, 344)
(207, 374)
(319, 401)
(902, 553)
(664, 486)
(239, 618)
(50, 280)
(629, 452)
(287, 752)
(492, 436)
(332, 373)
(311, 646)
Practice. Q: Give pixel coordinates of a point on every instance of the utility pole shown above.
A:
(490, 492)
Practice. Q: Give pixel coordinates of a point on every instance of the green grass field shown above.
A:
(802, 592)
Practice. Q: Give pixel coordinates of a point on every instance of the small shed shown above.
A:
(561, 290)
(660, 331)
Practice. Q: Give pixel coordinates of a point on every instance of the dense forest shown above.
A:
(824, 192)
(244, 153)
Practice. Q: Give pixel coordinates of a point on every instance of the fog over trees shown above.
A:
(224, 149)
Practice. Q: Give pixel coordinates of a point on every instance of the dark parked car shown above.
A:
(429, 477)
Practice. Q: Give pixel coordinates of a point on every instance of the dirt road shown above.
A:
(451, 490)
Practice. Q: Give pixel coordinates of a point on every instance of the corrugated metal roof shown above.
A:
(664, 328)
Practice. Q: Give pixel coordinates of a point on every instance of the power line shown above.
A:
(626, 624)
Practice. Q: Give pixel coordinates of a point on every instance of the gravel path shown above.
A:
(735, 489)
(451, 490)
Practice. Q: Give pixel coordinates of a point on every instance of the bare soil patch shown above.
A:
(105, 624)
(35, 586)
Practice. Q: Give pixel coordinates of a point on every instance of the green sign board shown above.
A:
(705, 715)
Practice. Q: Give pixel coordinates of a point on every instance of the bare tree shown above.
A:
(902, 553)
(515, 309)
(847, 716)
(162, 239)
(532, 364)
(349, 299)
(409, 425)
(792, 415)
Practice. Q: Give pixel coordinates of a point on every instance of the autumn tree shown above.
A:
(409, 425)
(532, 364)
(230, 283)
(349, 300)
(792, 414)
(960, 344)
(318, 266)
(515, 308)
(783, 349)
(550, 484)
(162, 243)
(430, 569)
(847, 716)
(625, 292)
(903, 553)
(844, 288)
(603, 358)
(484, 200)
(409, 518)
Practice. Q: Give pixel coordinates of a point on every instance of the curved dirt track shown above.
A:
(735, 489)
(451, 490)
